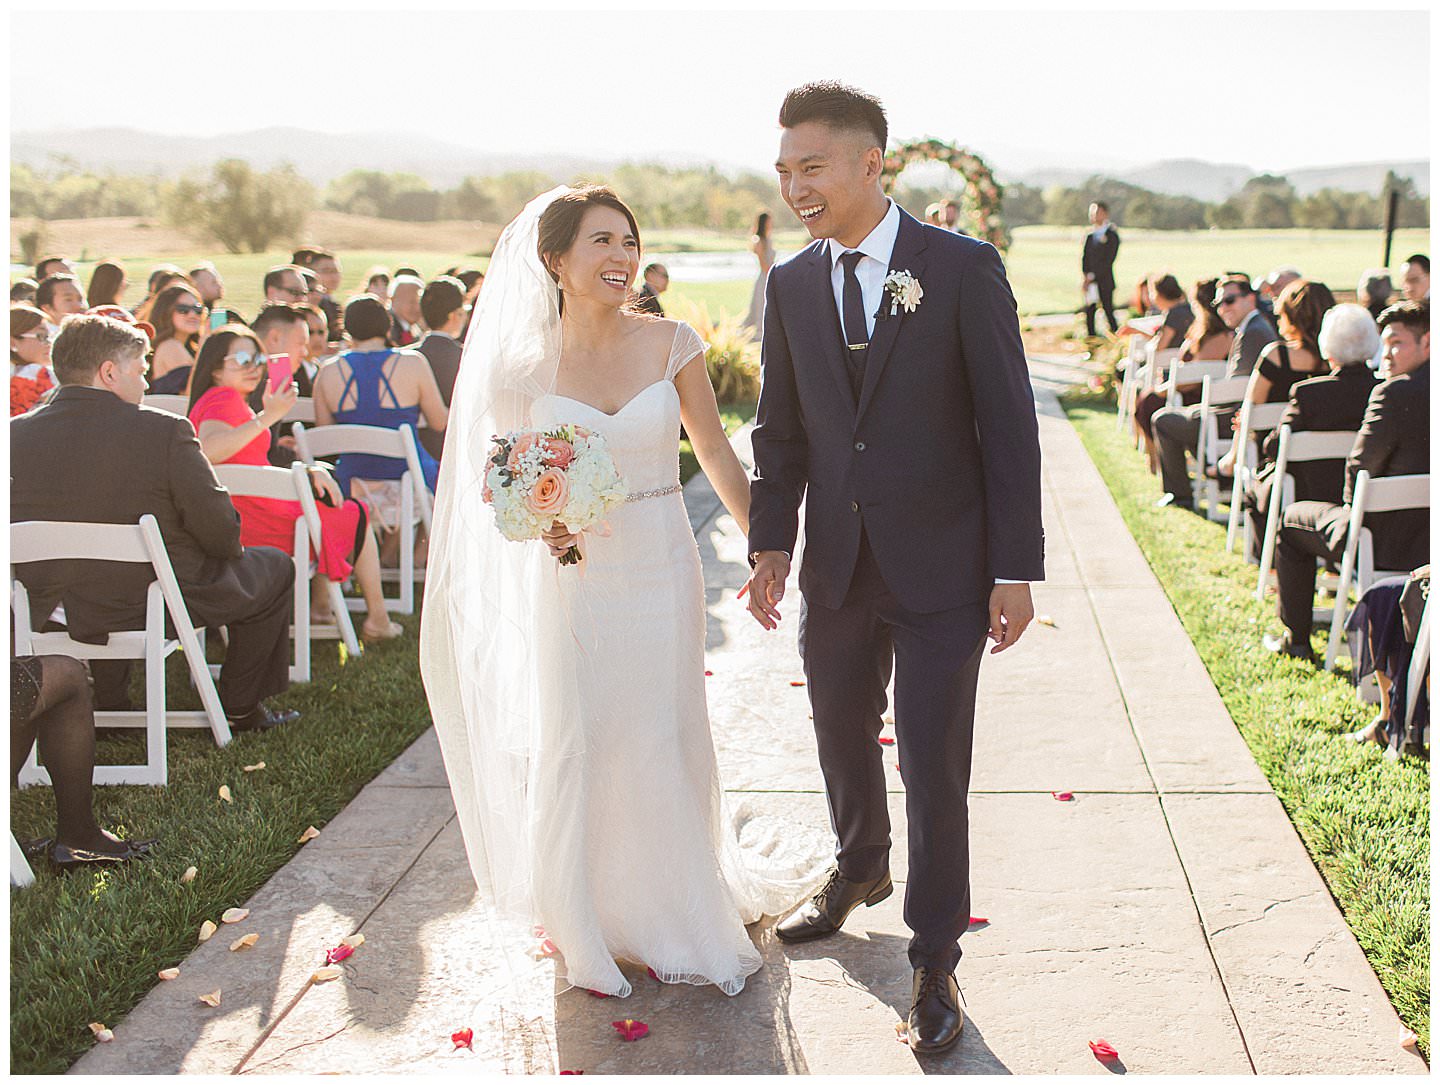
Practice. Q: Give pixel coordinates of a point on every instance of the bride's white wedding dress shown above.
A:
(640, 861)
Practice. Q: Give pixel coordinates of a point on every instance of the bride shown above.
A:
(570, 701)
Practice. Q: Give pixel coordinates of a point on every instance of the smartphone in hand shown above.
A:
(217, 319)
(278, 369)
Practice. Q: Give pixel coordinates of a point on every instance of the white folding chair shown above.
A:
(249, 480)
(1183, 374)
(20, 873)
(1253, 418)
(303, 411)
(1371, 495)
(45, 540)
(1296, 446)
(1419, 666)
(337, 440)
(174, 404)
(1209, 447)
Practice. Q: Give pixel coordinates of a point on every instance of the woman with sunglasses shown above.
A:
(230, 366)
(30, 374)
(178, 315)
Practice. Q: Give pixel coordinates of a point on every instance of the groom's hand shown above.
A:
(1011, 610)
(766, 587)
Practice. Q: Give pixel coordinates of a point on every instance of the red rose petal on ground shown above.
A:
(1062, 796)
(653, 976)
(563, 1072)
(708, 674)
(631, 1029)
(596, 994)
(463, 1038)
(887, 740)
(976, 920)
(797, 684)
(338, 954)
(1103, 1051)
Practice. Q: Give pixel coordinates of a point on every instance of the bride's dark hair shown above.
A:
(559, 224)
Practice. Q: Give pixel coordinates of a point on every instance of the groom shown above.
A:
(898, 406)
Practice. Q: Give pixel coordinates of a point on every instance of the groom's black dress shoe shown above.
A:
(826, 910)
(935, 1017)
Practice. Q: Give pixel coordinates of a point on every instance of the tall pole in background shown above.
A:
(1392, 206)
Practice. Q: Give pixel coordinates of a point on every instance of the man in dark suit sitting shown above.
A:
(1394, 439)
(442, 305)
(1177, 429)
(94, 454)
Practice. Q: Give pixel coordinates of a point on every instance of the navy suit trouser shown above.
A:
(848, 654)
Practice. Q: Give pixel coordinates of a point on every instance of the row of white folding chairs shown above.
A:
(303, 411)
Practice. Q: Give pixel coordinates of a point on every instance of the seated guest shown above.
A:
(657, 280)
(52, 265)
(405, 313)
(161, 277)
(1274, 284)
(31, 377)
(1206, 340)
(1383, 628)
(22, 292)
(93, 454)
(178, 316)
(231, 366)
(284, 283)
(377, 282)
(1177, 429)
(1394, 439)
(207, 280)
(107, 285)
(50, 704)
(317, 347)
(59, 297)
(1374, 291)
(1334, 402)
(327, 268)
(1415, 278)
(374, 385)
(473, 281)
(443, 307)
(281, 329)
(1170, 300)
(313, 290)
(1294, 357)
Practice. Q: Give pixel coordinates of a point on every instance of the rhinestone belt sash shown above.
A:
(663, 492)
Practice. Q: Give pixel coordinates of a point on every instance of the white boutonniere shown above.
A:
(904, 290)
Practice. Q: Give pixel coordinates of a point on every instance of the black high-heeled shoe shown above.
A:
(67, 858)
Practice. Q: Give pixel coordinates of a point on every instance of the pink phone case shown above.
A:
(278, 368)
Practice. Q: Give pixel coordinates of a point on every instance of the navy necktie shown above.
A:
(857, 334)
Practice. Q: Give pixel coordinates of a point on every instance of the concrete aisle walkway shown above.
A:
(1169, 909)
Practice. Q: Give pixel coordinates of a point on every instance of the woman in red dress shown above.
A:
(229, 366)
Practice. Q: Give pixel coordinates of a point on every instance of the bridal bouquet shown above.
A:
(537, 477)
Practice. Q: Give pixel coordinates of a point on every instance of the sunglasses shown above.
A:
(1227, 299)
(39, 337)
(185, 307)
(243, 359)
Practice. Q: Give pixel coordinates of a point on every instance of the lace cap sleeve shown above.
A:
(687, 346)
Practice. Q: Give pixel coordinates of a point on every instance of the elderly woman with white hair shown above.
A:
(1348, 339)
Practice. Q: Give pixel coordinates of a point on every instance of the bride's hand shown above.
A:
(559, 539)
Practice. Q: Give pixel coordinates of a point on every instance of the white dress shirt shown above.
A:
(871, 270)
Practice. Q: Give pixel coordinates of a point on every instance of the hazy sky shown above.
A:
(1025, 87)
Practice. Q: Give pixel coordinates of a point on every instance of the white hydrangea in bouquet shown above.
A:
(538, 477)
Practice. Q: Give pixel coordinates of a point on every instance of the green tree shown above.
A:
(242, 209)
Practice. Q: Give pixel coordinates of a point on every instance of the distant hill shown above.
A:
(1213, 182)
(321, 156)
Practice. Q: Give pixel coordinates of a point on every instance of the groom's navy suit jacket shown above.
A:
(939, 459)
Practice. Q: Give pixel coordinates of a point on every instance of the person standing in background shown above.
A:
(1097, 261)
(657, 280)
(764, 250)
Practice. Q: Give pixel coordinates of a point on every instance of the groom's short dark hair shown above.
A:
(838, 106)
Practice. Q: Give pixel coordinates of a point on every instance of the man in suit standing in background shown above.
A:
(94, 454)
(657, 279)
(1097, 261)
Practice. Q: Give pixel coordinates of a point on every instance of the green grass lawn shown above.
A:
(85, 946)
(1365, 820)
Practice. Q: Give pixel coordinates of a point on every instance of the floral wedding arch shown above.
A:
(980, 207)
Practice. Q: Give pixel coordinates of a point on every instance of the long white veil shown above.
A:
(480, 626)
